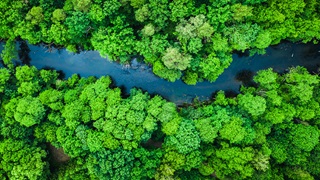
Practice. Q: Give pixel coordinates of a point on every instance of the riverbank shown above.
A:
(139, 75)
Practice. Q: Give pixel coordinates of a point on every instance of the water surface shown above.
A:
(89, 63)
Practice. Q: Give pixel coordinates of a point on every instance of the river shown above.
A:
(89, 63)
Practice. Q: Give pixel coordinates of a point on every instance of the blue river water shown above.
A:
(139, 75)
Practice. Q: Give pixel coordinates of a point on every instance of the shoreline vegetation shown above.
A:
(268, 131)
(188, 39)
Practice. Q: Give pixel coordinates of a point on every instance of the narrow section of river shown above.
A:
(89, 63)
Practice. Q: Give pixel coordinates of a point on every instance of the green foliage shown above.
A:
(266, 131)
(142, 13)
(4, 77)
(74, 169)
(233, 162)
(25, 73)
(242, 36)
(77, 24)
(9, 53)
(173, 59)
(113, 43)
(255, 105)
(147, 163)
(74, 113)
(107, 164)
(35, 15)
(148, 30)
(305, 137)
(186, 139)
(199, 30)
(267, 79)
(219, 64)
(82, 5)
(21, 160)
(270, 131)
(190, 78)
(233, 131)
(168, 74)
(241, 11)
(58, 15)
(29, 111)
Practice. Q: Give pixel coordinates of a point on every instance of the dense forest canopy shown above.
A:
(268, 131)
(192, 39)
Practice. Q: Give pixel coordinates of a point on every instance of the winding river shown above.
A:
(89, 63)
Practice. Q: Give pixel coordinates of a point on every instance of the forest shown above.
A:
(189, 39)
(268, 131)
(78, 128)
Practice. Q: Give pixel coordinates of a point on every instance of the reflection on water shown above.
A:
(89, 63)
(23, 52)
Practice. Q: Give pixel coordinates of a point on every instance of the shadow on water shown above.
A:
(231, 93)
(245, 77)
(137, 74)
(23, 53)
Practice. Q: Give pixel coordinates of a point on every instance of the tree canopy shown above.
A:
(267, 131)
(169, 35)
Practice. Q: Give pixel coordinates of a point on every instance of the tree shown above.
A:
(142, 13)
(169, 74)
(21, 160)
(111, 7)
(4, 78)
(95, 140)
(73, 142)
(148, 30)
(96, 13)
(74, 169)
(190, 78)
(35, 15)
(29, 111)
(152, 48)
(194, 45)
(9, 53)
(181, 9)
(76, 113)
(233, 162)
(242, 36)
(263, 40)
(299, 84)
(77, 24)
(173, 161)
(254, 105)
(159, 13)
(173, 59)
(241, 11)
(110, 164)
(48, 77)
(116, 43)
(267, 79)
(52, 98)
(58, 33)
(233, 130)
(207, 131)
(137, 3)
(82, 5)
(28, 88)
(305, 137)
(212, 66)
(25, 73)
(145, 163)
(186, 139)
(58, 15)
